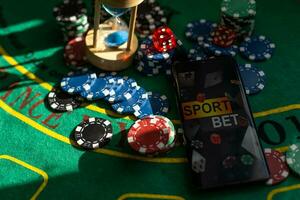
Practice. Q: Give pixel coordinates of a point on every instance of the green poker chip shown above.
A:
(247, 159)
(239, 8)
(293, 158)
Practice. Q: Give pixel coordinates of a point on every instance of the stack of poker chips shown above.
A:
(152, 135)
(149, 61)
(149, 17)
(239, 15)
(71, 16)
(74, 53)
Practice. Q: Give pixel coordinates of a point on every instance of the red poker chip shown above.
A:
(164, 39)
(148, 135)
(279, 171)
(75, 52)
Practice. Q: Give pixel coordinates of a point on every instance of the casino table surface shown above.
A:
(37, 158)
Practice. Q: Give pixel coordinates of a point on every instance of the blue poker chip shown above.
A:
(152, 63)
(126, 106)
(147, 49)
(100, 88)
(253, 78)
(75, 82)
(143, 108)
(257, 48)
(144, 69)
(197, 53)
(129, 87)
(199, 30)
(119, 87)
(159, 103)
(216, 50)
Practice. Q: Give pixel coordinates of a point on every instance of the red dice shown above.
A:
(164, 39)
(223, 36)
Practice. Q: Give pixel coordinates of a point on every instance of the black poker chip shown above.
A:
(93, 133)
(69, 11)
(62, 101)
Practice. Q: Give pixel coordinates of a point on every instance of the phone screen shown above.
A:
(222, 143)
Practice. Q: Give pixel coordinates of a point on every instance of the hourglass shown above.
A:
(111, 45)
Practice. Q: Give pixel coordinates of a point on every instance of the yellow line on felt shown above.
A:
(277, 110)
(149, 196)
(32, 168)
(281, 190)
(66, 140)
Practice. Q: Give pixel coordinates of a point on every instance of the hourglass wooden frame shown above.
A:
(97, 53)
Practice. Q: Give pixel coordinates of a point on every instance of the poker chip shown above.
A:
(69, 11)
(74, 52)
(93, 133)
(257, 48)
(147, 48)
(159, 103)
(253, 78)
(239, 8)
(293, 158)
(62, 101)
(197, 53)
(76, 83)
(216, 50)
(127, 105)
(277, 166)
(128, 87)
(146, 70)
(149, 135)
(143, 108)
(199, 30)
(150, 16)
(72, 18)
(100, 88)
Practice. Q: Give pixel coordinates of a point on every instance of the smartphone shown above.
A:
(221, 138)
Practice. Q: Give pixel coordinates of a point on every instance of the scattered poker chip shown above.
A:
(211, 48)
(119, 87)
(93, 133)
(128, 88)
(253, 78)
(76, 83)
(159, 103)
(143, 108)
(100, 88)
(197, 53)
(277, 166)
(148, 135)
(127, 105)
(257, 48)
(239, 8)
(199, 30)
(62, 101)
(293, 158)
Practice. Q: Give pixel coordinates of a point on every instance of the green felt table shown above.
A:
(37, 158)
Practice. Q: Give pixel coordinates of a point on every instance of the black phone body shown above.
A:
(222, 143)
